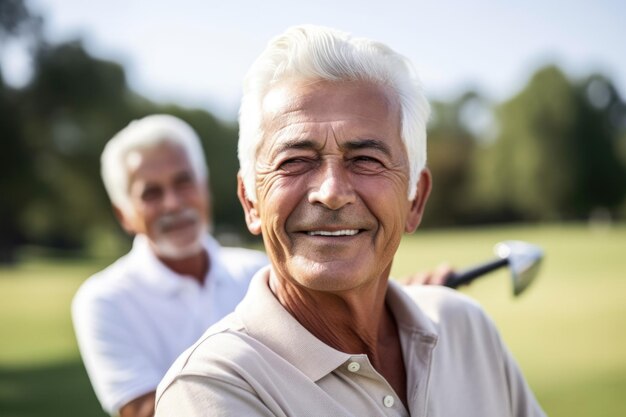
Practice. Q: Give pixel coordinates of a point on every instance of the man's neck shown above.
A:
(356, 322)
(196, 266)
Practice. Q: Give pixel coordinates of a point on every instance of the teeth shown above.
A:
(348, 232)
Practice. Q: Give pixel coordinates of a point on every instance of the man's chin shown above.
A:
(325, 275)
(174, 249)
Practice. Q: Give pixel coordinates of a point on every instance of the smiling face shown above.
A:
(332, 180)
(168, 203)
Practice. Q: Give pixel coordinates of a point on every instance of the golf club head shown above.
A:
(524, 260)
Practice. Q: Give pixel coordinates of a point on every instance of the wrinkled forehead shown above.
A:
(355, 108)
(328, 97)
(154, 160)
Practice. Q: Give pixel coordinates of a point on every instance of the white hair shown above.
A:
(146, 133)
(317, 53)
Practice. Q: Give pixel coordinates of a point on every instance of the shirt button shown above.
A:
(388, 401)
(354, 367)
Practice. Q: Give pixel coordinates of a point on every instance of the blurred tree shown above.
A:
(452, 136)
(555, 153)
(60, 123)
(72, 105)
(16, 20)
(600, 126)
(15, 174)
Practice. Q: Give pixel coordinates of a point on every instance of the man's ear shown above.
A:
(253, 220)
(124, 219)
(419, 202)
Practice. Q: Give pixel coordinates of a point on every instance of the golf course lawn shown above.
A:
(567, 332)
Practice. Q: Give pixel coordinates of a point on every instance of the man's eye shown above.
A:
(151, 194)
(366, 159)
(184, 182)
(366, 164)
(295, 165)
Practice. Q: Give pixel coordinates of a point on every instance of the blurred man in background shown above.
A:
(332, 149)
(135, 317)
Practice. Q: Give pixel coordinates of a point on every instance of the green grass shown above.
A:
(567, 331)
(41, 373)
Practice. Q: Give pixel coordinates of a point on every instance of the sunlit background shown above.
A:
(527, 141)
(196, 52)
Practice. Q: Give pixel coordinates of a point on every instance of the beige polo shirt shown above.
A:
(259, 361)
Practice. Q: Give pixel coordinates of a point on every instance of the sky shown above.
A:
(196, 53)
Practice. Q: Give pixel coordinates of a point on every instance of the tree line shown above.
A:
(555, 151)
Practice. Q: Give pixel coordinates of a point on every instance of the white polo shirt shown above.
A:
(135, 317)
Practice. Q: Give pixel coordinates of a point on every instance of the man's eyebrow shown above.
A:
(183, 175)
(368, 144)
(349, 145)
(295, 144)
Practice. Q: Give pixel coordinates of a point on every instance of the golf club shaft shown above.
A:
(467, 276)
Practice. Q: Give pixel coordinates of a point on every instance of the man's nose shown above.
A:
(171, 200)
(334, 188)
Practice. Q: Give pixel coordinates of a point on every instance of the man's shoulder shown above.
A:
(446, 307)
(228, 338)
(460, 324)
(223, 347)
(108, 283)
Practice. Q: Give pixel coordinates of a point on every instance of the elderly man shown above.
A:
(133, 319)
(332, 153)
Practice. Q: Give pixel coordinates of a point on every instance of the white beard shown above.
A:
(168, 247)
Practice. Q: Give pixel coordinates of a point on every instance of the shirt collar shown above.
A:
(159, 277)
(409, 316)
(266, 320)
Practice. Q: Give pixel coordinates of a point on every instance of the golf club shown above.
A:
(522, 258)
